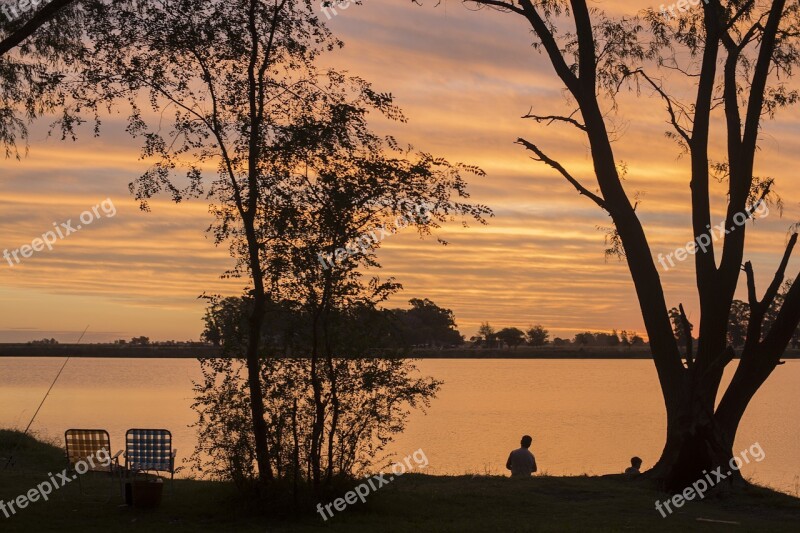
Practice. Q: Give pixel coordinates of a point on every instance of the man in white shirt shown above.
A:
(521, 461)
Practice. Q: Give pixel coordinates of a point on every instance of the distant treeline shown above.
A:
(426, 325)
(512, 337)
(422, 325)
(135, 341)
(362, 330)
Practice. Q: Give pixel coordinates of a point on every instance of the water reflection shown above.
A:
(585, 416)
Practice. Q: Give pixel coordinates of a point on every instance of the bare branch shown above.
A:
(751, 285)
(759, 308)
(775, 286)
(556, 118)
(498, 4)
(687, 331)
(670, 105)
(785, 324)
(540, 156)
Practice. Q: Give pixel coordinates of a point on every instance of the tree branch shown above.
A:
(785, 323)
(687, 331)
(540, 156)
(670, 108)
(556, 118)
(705, 265)
(587, 62)
(758, 309)
(762, 69)
(45, 15)
(775, 286)
(751, 285)
(549, 43)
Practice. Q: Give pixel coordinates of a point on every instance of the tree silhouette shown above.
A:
(427, 323)
(281, 149)
(236, 76)
(737, 323)
(25, 28)
(487, 334)
(732, 55)
(513, 337)
(537, 335)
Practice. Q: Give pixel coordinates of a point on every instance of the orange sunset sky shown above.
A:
(464, 78)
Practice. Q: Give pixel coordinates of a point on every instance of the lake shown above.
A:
(586, 416)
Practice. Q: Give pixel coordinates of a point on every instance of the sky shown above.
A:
(464, 78)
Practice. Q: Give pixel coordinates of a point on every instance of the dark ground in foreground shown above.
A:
(417, 503)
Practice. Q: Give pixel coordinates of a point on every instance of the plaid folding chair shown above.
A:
(86, 446)
(150, 449)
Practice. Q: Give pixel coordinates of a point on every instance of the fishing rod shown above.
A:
(11, 457)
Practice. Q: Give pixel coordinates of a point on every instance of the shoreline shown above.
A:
(456, 504)
(205, 351)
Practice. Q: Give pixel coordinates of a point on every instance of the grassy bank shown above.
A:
(411, 503)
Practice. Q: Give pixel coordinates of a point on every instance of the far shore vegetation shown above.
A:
(424, 330)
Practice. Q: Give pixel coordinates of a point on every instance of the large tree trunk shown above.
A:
(320, 404)
(693, 450)
(253, 361)
(696, 443)
(256, 391)
(699, 439)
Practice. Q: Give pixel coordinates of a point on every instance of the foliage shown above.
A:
(374, 396)
(426, 324)
(737, 323)
(597, 339)
(38, 78)
(44, 341)
(513, 337)
(733, 61)
(487, 334)
(678, 329)
(299, 173)
(537, 335)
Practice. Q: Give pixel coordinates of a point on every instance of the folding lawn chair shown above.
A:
(150, 450)
(85, 447)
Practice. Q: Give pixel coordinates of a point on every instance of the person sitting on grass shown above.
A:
(633, 470)
(521, 461)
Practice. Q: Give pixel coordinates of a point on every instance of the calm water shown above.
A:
(585, 416)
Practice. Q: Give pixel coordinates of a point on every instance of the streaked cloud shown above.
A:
(464, 79)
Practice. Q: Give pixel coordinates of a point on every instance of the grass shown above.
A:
(411, 503)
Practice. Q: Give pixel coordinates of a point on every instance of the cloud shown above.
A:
(464, 79)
